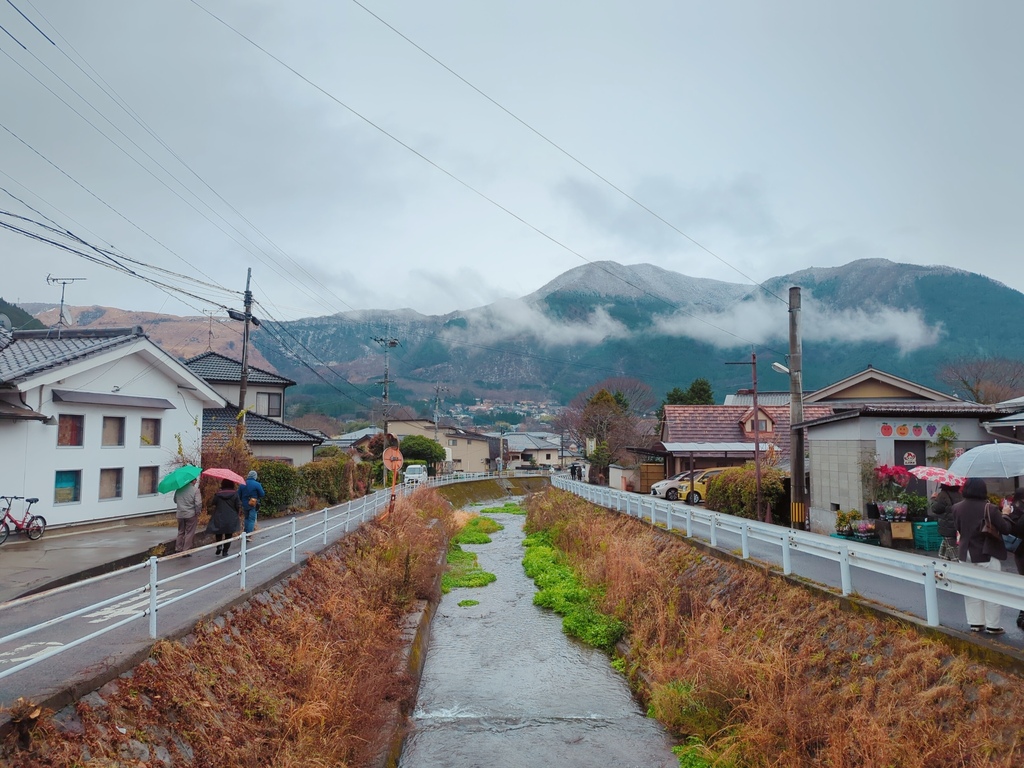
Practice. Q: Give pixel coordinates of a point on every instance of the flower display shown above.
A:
(891, 481)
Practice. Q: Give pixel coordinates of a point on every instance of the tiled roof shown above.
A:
(258, 429)
(31, 352)
(721, 423)
(214, 367)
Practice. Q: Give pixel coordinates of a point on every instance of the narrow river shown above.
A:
(504, 687)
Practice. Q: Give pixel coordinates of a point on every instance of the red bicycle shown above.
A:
(31, 525)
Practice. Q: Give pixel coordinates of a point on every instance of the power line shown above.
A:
(455, 178)
(565, 152)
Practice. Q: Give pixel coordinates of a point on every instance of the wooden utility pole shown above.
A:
(243, 383)
(388, 343)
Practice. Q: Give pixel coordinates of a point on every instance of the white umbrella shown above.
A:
(991, 460)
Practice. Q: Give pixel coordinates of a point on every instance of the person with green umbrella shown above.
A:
(188, 502)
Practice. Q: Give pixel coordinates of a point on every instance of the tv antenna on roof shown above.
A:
(63, 282)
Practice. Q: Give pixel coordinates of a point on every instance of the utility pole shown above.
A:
(388, 343)
(438, 389)
(246, 319)
(243, 384)
(63, 282)
(798, 501)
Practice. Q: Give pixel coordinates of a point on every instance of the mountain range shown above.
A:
(605, 319)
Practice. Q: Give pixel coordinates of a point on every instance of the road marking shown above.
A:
(9, 657)
(126, 608)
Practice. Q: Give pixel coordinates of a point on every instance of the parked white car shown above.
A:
(669, 487)
(415, 474)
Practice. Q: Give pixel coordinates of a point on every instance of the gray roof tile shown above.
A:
(258, 429)
(28, 353)
(217, 368)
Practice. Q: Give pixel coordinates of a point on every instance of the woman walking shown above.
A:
(225, 516)
(980, 548)
(188, 504)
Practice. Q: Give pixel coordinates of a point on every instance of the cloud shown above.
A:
(512, 317)
(761, 321)
(738, 206)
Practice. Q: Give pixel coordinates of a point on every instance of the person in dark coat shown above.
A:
(981, 549)
(225, 516)
(941, 510)
(1016, 519)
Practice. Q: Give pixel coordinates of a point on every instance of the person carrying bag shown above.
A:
(981, 528)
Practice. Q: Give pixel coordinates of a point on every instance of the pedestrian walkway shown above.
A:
(65, 555)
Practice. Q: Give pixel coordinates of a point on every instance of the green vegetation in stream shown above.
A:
(476, 530)
(559, 590)
(463, 571)
(468, 603)
(508, 508)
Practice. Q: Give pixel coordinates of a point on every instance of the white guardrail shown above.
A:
(298, 534)
(930, 574)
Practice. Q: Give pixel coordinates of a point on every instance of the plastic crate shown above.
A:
(926, 536)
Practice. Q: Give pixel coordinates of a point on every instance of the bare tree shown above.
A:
(613, 417)
(984, 379)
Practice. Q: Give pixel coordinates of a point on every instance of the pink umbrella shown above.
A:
(938, 474)
(224, 474)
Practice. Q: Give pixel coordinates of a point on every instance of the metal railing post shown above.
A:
(668, 516)
(844, 568)
(787, 564)
(689, 522)
(744, 539)
(931, 596)
(294, 526)
(152, 597)
(714, 530)
(325, 526)
(241, 560)
(654, 508)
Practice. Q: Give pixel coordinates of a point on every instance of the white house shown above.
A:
(90, 420)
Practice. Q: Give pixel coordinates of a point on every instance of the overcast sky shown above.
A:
(777, 135)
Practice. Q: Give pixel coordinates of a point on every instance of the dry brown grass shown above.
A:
(769, 675)
(310, 677)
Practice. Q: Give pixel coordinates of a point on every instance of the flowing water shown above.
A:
(504, 687)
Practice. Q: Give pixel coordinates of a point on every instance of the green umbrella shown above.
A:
(179, 478)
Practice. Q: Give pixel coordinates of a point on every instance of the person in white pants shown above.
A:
(982, 549)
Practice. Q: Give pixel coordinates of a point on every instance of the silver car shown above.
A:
(669, 488)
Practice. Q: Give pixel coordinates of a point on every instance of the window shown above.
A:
(148, 480)
(268, 404)
(70, 430)
(110, 483)
(762, 425)
(113, 431)
(547, 456)
(453, 442)
(68, 486)
(150, 432)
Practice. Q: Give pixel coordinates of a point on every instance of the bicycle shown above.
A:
(32, 525)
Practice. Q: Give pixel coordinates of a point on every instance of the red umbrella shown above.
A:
(224, 474)
(938, 474)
